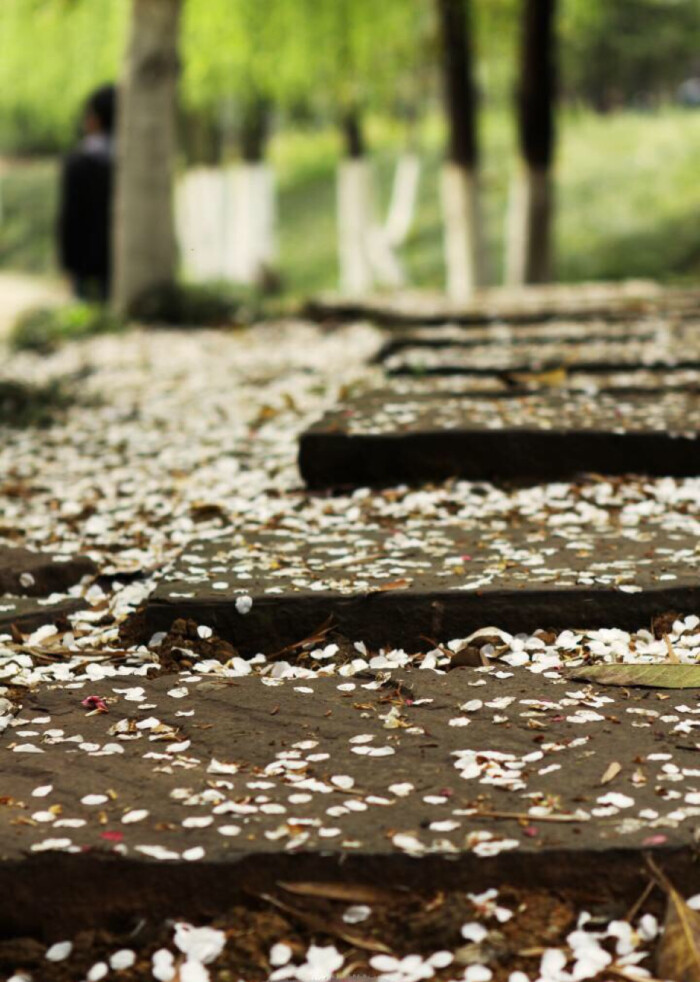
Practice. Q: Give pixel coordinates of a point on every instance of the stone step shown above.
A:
(550, 333)
(29, 613)
(520, 306)
(24, 572)
(396, 574)
(618, 355)
(181, 794)
(387, 438)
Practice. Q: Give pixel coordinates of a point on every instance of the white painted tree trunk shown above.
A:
(366, 247)
(202, 212)
(227, 223)
(529, 246)
(355, 219)
(404, 198)
(464, 240)
(251, 243)
(145, 251)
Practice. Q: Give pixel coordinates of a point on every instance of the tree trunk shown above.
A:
(355, 147)
(145, 250)
(251, 236)
(464, 240)
(355, 210)
(529, 257)
(255, 127)
(251, 225)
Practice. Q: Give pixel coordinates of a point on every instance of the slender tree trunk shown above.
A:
(464, 245)
(145, 250)
(255, 130)
(530, 251)
(355, 209)
(252, 249)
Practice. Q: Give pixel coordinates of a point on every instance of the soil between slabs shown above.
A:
(511, 923)
(385, 438)
(187, 792)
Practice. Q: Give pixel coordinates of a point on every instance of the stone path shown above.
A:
(385, 437)
(159, 762)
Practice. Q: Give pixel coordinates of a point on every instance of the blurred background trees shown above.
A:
(321, 126)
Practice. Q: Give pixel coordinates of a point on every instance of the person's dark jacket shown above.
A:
(85, 216)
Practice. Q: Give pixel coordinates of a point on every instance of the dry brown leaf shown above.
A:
(401, 584)
(678, 953)
(611, 772)
(356, 893)
(552, 379)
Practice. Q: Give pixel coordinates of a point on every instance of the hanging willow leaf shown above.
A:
(678, 954)
(662, 676)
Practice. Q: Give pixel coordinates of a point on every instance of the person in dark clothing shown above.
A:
(85, 217)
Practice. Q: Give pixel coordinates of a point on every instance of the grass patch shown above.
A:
(24, 405)
(188, 305)
(44, 329)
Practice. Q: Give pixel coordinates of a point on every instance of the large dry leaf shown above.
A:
(357, 893)
(402, 584)
(678, 953)
(661, 676)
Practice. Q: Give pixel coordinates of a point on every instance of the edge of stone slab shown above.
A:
(524, 368)
(330, 459)
(407, 618)
(35, 616)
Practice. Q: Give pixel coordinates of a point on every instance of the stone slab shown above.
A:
(188, 793)
(29, 613)
(675, 351)
(24, 572)
(630, 381)
(384, 438)
(524, 306)
(396, 579)
(559, 333)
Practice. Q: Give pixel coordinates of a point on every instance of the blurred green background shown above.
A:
(628, 179)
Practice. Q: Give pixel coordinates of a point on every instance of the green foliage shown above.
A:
(628, 50)
(28, 197)
(244, 50)
(43, 329)
(191, 306)
(52, 54)
(325, 54)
